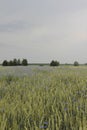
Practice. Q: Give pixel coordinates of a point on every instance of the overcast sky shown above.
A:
(43, 30)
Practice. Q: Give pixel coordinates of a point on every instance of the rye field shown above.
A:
(43, 98)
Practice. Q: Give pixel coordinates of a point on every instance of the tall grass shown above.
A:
(54, 100)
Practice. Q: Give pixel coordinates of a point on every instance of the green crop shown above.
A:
(51, 100)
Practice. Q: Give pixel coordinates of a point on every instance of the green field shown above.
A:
(43, 98)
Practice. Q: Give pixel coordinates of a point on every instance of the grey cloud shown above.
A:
(14, 26)
(44, 29)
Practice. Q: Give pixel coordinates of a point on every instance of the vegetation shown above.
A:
(51, 100)
(15, 62)
(5, 63)
(24, 62)
(54, 63)
(76, 63)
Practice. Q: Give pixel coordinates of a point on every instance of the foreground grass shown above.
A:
(54, 100)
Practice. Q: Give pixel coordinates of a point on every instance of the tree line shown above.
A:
(15, 62)
(57, 63)
(24, 62)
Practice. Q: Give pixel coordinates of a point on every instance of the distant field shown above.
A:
(32, 69)
(22, 70)
(43, 97)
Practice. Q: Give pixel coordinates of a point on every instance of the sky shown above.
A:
(43, 30)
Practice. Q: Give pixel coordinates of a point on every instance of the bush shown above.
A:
(54, 63)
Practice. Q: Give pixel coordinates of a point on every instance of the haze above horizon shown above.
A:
(43, 30)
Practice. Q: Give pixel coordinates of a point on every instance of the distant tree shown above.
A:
(15, 62)
(24, 62)
(5, 63)
(76, 63)
(54, 63)
(10, 63)
(18, 62)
